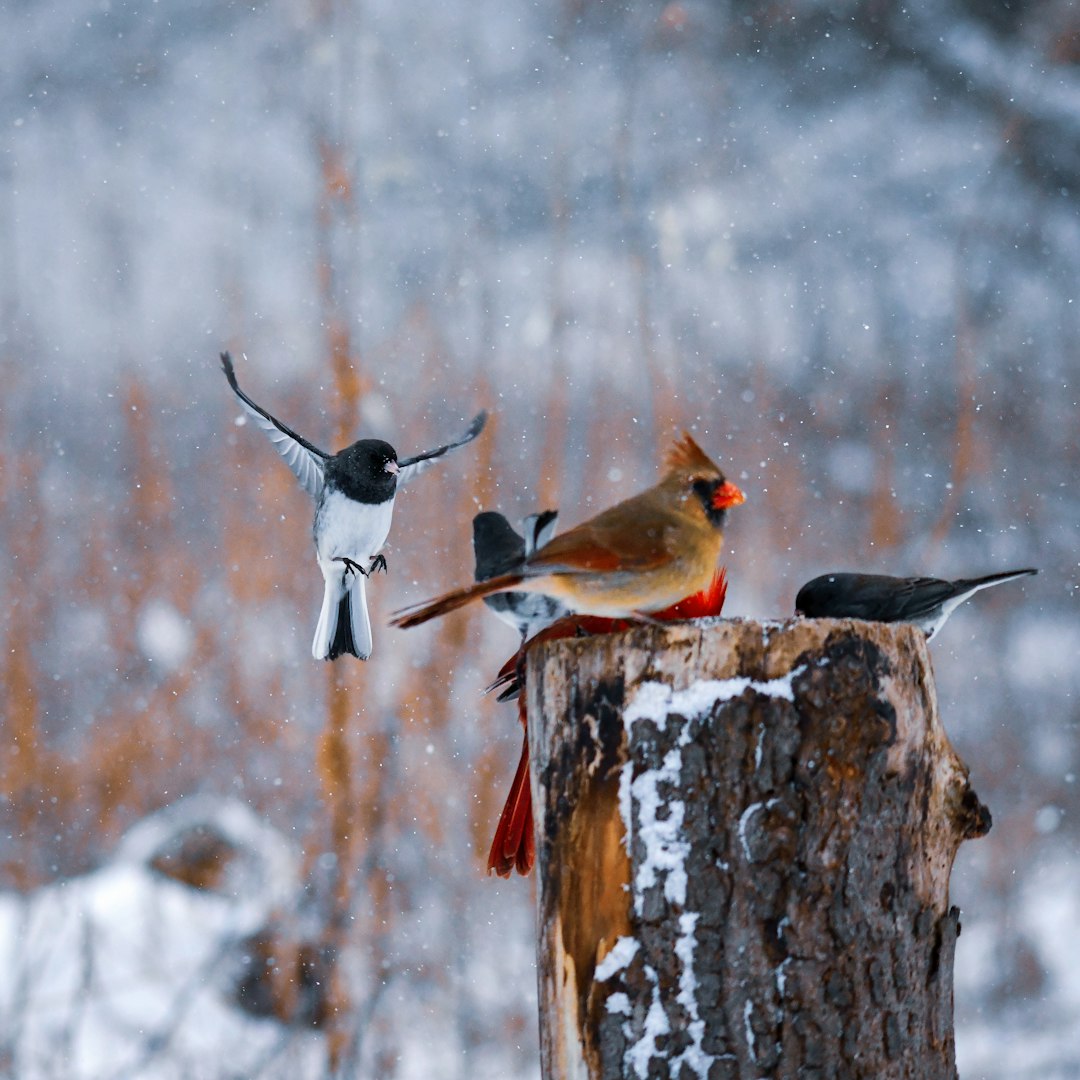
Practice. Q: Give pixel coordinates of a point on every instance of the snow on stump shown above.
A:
(744, 840)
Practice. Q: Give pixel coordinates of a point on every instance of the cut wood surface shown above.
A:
(744, 838)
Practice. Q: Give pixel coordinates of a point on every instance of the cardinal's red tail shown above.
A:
(451, 601)
(514, 845)
(710, 601)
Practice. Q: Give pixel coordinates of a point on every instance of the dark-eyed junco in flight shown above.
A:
(354, 494)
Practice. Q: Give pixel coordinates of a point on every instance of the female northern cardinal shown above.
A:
(514, 846)
(638, 557)
(926, 602)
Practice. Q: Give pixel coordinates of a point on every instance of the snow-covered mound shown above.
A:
(132, 970)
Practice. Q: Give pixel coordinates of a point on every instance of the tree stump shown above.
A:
(744, 835)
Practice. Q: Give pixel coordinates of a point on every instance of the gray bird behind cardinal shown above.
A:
(499, 550)
(354, 492)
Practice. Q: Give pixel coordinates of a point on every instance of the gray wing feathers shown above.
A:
(414, 466)
(306, 467)
(305, 460)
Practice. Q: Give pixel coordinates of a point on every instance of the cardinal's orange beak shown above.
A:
(726, 495)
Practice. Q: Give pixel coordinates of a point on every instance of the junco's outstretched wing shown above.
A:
(305, 460)
(414, 466)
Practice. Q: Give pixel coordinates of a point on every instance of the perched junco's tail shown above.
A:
(935, 619)
(966, 586)
(344, 625)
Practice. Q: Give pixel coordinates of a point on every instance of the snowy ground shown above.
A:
(128, 972)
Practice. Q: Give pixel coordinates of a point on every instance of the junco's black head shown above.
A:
(367, 471)
(824, 595)
(497, 547)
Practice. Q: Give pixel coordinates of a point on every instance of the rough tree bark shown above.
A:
(744, 840)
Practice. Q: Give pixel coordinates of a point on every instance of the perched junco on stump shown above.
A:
(926, 602)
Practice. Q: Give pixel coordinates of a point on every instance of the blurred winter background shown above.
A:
(838, 240)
